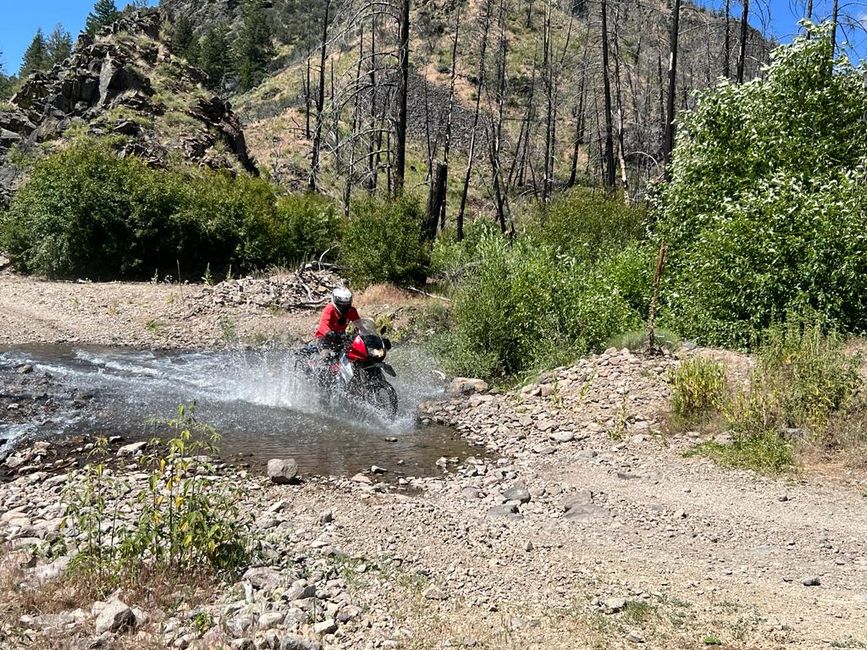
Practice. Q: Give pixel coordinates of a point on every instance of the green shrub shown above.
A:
(308, 226)
(185, 521)
(452, 259)
(587, 224)
(804, 389)
(763, 451)
(698, 388)
(766, 208)
(382, 242)
(86, 213)
(802, 377)
(525, 308)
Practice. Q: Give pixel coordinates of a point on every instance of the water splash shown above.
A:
(255, 398)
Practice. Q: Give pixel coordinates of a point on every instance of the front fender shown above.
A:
(386, 368)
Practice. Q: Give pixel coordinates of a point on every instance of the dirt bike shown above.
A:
(356, 370)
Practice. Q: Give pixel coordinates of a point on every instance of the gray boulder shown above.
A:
(282, 471)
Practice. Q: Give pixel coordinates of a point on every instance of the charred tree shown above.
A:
(402, 91)
(320, 100)
(608, 163)
(668, 141)
(742, 52)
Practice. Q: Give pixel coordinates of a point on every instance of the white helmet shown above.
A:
(342, 299)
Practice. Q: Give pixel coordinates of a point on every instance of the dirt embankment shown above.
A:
(585, 528)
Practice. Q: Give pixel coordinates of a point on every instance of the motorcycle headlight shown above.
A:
(377, 353)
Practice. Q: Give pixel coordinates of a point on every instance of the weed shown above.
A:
(184, 522)
(710, 639)
(228, 328)
(155, 327)
(636, 340)
(766, 452)
(638, 611)
(203, 622)
(698, 388)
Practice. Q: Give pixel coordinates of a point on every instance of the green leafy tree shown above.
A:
(213, 56)
(764, 215)
(36, 56)
(255, 48)
(59, 45)
(104, 13)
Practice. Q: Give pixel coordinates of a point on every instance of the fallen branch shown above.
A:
(429, 295)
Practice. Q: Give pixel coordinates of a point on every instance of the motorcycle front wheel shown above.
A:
(382, 395)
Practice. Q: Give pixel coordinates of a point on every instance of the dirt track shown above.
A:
(698, 553)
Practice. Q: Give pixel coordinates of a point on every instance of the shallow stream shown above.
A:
(262, 408)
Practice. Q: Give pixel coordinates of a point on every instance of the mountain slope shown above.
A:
(124, 84)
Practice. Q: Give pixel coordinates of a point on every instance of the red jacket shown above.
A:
(333, 321)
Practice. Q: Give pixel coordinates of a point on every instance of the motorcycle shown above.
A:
(357, 370)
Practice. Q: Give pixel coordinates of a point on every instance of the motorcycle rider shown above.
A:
(333, 322)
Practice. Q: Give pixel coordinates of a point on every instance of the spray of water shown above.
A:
(255, 398)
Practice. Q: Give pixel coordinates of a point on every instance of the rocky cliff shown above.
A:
(124, 83)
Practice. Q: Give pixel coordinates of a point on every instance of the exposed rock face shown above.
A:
(124, 82)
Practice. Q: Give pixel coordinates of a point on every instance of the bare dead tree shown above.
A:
(402, 92)
(742, 53)
(668, 146)
(485, 21)
(727, 41)
(320, 100)
(447, 138)
(606, 84)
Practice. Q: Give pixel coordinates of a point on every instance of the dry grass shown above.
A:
(387, 295)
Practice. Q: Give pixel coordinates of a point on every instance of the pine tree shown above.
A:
(104, 13)
(5, 81)
(59, 45)
(183, 40)
(35, 56)
(255, 47)
(213, 56)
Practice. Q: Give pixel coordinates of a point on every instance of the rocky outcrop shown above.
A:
(124, 82)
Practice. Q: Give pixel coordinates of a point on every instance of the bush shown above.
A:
(698, 388)
(803, 389)
(383, 243)
(588, 224)
(308, 225)
(802, 377)
(86, 213)
(184, 521)
(765, 211)
(525, 308)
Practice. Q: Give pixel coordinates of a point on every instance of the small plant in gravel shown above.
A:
(766, 452)
(698, 389)
(183, 522)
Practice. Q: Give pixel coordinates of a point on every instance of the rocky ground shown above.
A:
(584, 528)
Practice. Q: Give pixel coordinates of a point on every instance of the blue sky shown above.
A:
(19, 20)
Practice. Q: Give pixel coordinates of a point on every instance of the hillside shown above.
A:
(124, 84)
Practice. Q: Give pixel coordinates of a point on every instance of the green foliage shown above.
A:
(86, 213)
(254, 48)
(587, 224)
(802, 389)
(184, 519)
(452, 259)
(383, 242)
(213, 56)
(104, 13)
(183, 40)
(525, 308)
(765, 213)
(59, 45)
(765, 452)
(802, 377)
(36, 57)
(698, 388)
(308, 225)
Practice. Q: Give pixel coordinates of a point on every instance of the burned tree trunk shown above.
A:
(606, 85)
(402, 91)
(742, 52)
(320, 100)
(668, 142)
